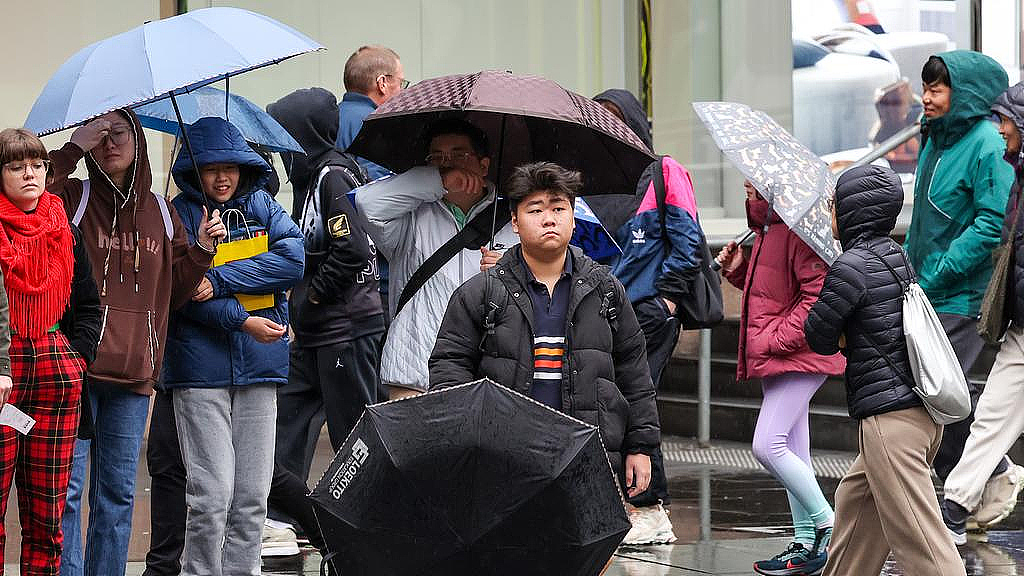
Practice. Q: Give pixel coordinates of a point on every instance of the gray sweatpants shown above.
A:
(227, 445)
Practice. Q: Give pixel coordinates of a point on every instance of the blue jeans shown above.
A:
(120, 417)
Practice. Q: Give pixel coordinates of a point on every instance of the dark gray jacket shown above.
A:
(862, 300)
(1011, 105)
(487, 332)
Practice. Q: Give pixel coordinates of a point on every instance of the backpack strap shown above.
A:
(82, 203)
(474, 234)
(165, 213)
(661, 195)
(609, 302)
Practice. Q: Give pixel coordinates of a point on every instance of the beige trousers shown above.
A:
(886, 502)
(998, 422)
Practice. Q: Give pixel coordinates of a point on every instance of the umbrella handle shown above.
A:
(192, 156)
(328, 569)
(739, 240)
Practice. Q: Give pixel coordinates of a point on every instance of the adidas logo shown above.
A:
(639, 236)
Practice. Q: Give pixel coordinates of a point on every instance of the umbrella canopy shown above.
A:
(256, 126)
(173, 55)
(486, 482)
(526, 119)
(796, 183)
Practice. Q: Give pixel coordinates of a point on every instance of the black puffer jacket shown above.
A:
(862, 300)
(606, 381)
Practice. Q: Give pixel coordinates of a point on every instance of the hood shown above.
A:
(1011, 105)
(310, 115)
(142, 174)
(977, 80)
(216, 141)
(868, 200)
(631, 109)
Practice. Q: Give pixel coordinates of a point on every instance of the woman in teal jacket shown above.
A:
(959, 200)
(961, 188)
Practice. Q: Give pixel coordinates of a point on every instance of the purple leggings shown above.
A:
(782, 445)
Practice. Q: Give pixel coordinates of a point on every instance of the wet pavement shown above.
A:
(726, 514)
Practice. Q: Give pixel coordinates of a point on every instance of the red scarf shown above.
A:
(37, 260)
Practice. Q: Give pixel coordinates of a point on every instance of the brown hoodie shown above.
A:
(141, 273)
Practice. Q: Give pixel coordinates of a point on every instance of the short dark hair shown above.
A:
(935, 70)
(366, 64)
(444, 126)
(538, 176)
(20, 144)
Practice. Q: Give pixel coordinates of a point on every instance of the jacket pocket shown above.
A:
(128, 346)
(612, 415)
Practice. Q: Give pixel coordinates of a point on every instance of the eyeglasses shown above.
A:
(402, 82)
(119, 136)
(37, 166)
(442, 158)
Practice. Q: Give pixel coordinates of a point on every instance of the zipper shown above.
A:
(929, 193)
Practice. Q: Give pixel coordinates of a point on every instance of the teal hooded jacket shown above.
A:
(961, 189)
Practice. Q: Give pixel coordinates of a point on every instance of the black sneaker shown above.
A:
(954, 516)
(790, 562)
(822, 537)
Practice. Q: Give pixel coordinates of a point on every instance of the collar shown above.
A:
(359, 98)
(566, 271)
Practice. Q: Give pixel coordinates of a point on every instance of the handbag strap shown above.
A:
(904, 286)
(1016, 215)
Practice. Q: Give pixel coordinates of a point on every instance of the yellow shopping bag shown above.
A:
(233, 250)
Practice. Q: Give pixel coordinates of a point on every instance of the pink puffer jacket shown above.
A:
(780, 282)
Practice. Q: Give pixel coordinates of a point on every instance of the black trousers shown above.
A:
(332, 383)
(661, 330)
(167, 495)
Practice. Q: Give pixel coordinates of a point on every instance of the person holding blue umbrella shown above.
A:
(144, 267)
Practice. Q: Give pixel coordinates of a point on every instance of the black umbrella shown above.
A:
(474, 479)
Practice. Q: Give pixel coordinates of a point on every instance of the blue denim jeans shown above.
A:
(113, 455)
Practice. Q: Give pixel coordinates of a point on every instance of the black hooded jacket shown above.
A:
(632, 112)
(338, 298)
(862, 300)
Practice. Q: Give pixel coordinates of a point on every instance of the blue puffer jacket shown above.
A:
(206, 347)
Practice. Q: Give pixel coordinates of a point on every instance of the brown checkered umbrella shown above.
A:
(526, 119)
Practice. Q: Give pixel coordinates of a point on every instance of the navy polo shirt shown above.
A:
(549, 323)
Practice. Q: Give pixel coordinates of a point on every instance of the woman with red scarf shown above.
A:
(52, 306)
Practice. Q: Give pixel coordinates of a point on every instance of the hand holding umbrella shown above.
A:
(211, 230)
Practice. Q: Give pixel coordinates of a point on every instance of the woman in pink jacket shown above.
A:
(780, 282)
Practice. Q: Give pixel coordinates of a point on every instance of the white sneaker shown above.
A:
(278, 542)
(1000, 496)
(651, 525)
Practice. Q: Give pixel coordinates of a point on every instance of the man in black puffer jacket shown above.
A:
(886, 501)
(550, 323)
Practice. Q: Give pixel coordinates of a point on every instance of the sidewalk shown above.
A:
(726, 510)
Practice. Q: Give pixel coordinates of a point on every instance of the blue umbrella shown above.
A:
(590, 235)
(252, 121)
(160, 59)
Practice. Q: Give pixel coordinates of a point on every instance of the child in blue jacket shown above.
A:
(225, 360)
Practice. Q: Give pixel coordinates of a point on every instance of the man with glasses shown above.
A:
(410, 217)
(373, 74)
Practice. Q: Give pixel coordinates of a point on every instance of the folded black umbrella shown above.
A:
(474, 479)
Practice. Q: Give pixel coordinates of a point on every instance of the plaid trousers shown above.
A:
(47, 375)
